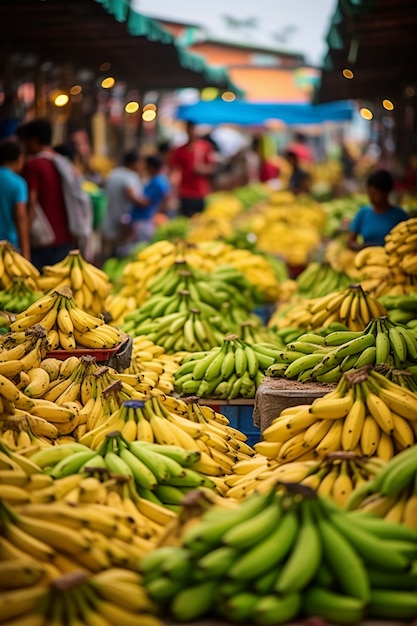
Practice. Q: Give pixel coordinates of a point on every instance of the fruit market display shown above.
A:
(125, 500)
(392, 493)
(336, 475)
(278, 557)
(352, 306)
(89, 284)
(67, 325)
(13, 265)
(324, 358)
(366, 414)
(234, 369)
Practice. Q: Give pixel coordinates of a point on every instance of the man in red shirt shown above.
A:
(192, 165)
(45, 188)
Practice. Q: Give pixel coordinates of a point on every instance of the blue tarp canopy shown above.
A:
(254, 114)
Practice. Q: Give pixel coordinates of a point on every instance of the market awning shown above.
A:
(252, 114)
(87, 33)
(376, 40)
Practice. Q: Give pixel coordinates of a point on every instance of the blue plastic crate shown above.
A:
(240, 417)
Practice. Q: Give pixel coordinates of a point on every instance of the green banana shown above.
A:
(334, 607)
(253, 530)
(216, 563)
(273, 609)
(303, 363)
(393, 604)
(194, 601)
(304, 560)
(140, 471)
(266, 555)
(354, 346)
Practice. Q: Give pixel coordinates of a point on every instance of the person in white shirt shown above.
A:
(123, 188)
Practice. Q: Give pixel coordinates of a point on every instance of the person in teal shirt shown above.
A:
(14, 217)
(372, 223)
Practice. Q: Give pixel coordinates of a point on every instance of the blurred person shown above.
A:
(123, 188)
(46, 196)
(300, 147)
(299, 181)
(192, 166)
(14, 218)
(372, 223)
(267, 170)
(156, 190)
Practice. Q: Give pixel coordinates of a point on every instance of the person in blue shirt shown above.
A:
(371, 224)
(155, 194)
(14, 216)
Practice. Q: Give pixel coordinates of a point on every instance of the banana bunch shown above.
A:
(68, 327)
(340, 257)
(117, 306)
(14, 265)
(89, 284)
(155, 366)
(18, 296)
(21, 351)
(401, 246)
(335, 475)
(163, 420)
(366, 414)
(392, 493)
(21, 433)
(110, 598)
(324, 358)
(352, 307)
(233, 370)
(402, 308)
(319, 279)
(380, 275)
(161, 474)
(278, 557)
(250, 331)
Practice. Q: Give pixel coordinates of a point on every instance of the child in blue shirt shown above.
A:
(155, 194)
(372, 223)
(14, 217)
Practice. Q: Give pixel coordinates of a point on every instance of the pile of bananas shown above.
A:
(352, 307)
(161, 474)
(234, 369)
(336, 475)
(68, 327)
(313, 356)
(20, 351)
(18, 296)
(164, 420)
(401, 309)
(277, 557)
(401, 246)
(153, 365)
(319, 279)
(112, 597)
(392, 493)
(89, 284)
(252, 332)
(13, 265)
(158, 257)
(67, 537)
(382, 275)
(404, 377)
(366, 414)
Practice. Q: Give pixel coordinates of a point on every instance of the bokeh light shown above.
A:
(366, 113)
(132, 107)
(108, 82)
(149, 115)
(61, 99)
(228, 96)
(388, 105)
(347, 73)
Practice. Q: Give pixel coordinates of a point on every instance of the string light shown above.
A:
(366, 113)
(388, 105)
(132, 107)
(108, 82)
(61, 99)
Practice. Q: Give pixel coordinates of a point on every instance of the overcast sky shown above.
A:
(294, 25)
